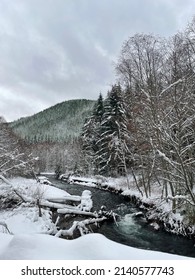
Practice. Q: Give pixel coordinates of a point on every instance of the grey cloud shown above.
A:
(54, 50)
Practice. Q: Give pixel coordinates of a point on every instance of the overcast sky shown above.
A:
(56, 50)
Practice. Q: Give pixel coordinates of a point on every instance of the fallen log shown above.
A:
(49, 204)
(80, 225)
(76, 212)
(74, 198)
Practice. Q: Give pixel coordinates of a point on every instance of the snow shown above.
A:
(31, 187)
(30, 241)
(88, 247)
(86, 201)
(26, 220)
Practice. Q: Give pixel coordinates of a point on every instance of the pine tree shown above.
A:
(90, 133)
(114, 137)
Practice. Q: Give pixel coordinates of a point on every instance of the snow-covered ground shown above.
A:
(29, 241)
(88, 247)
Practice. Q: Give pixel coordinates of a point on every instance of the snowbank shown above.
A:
(27, 242)
(30, 186)
(159, 211)
(25, 218)
(88, 247)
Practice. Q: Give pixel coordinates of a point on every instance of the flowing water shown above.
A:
(131, 230)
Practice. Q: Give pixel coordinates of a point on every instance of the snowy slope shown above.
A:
(88, 247)
(57, 123)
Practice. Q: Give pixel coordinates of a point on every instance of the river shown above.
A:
(132, 231)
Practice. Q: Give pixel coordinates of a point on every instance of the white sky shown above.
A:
(56, 50)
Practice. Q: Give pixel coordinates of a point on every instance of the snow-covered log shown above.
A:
(80, 225)
(64, 199)
(49, 204)
(76, 212)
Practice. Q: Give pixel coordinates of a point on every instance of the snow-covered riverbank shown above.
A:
(29, 241)
(159, 211)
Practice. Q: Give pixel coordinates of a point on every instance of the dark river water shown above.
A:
(132, 231)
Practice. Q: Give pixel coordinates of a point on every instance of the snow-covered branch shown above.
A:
(80, 225)
(3, 224)
(171, 85)
(181, 197)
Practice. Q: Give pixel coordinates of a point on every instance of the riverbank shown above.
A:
(157, 210)
(28, 237)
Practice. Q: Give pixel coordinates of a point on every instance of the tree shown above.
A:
(140, 69)
(91, 133)
(111, 156)
(13, 160)
(177, 127)
(159, 81)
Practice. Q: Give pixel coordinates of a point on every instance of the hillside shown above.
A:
(61, 122)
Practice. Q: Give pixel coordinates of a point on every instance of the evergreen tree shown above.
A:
(91, 133)
(113, 140)
(98, 110)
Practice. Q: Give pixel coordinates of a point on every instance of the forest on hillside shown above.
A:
(53, 135)
(59, 123)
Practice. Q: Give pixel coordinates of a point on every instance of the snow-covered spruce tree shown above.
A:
(111, 156)
(98, 113)
(98, 110)
(90, 135)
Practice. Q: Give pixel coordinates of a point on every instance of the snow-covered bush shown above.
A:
(101, 180)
